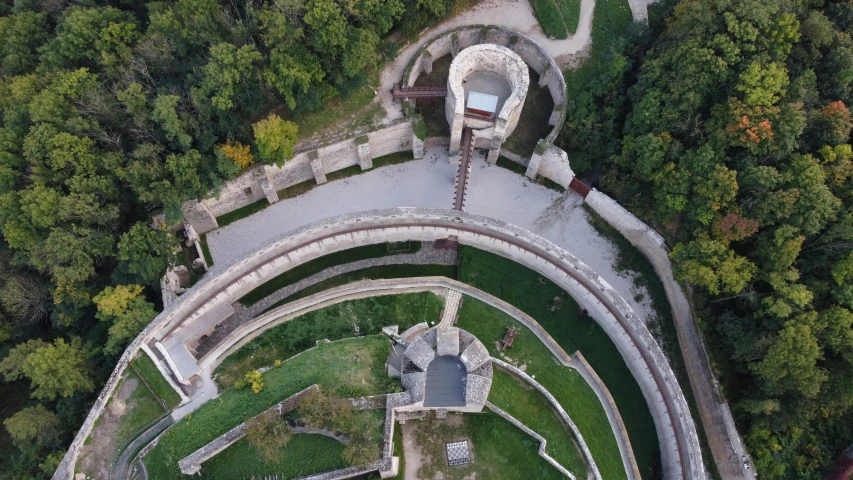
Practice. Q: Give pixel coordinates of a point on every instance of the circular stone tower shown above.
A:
(486, 88)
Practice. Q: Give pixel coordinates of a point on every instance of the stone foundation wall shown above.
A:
(250, 187)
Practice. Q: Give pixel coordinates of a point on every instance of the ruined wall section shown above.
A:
(250, 186)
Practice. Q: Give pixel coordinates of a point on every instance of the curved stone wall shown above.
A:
(455, 41)
(676, 431)
(487, 57)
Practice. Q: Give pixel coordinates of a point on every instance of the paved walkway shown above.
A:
(492, 191)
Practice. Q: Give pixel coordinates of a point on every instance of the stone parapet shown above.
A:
(199, 216)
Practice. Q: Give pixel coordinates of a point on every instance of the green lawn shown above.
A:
(315, 266)
(566, 385)
(558, 313)
(205, 249)
(155, 379)
(333, 322)
(372, 273)
(529, 406)
(499, 449)
(344, 369)
(304, 455)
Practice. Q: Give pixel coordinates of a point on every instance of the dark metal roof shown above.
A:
(445, 382)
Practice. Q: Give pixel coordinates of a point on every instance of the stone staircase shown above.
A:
(451, 306)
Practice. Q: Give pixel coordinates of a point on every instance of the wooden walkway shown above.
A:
(464, 169)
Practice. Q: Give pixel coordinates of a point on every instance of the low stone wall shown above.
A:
(262, 182)
(559, 408)
(539, 438)
(552, 163)
(191, 464)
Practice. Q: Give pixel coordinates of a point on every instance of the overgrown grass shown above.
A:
(372, 273)
(315, 266)
(533, 124)
(500, 449)
(559, 314)
(364, 316)
(155, 379)
(569, 388)
(571, 10)
(242, 212)
(344, 369)
(433, 115)
(142, 409)
(610, 20)
(631, 260)
(304, 455)
(357, 111)
(205, 249)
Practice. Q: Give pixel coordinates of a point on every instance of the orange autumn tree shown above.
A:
(238, 153)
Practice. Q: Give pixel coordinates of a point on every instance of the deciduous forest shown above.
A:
(727, 125)
(111, 112)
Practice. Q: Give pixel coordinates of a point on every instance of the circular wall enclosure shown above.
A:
(491, 69)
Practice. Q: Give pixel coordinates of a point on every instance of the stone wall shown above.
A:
(261, 181)
(458, 39)
(560, 411)
(539, 438)
(552, 163)
(681, 455)
(715, 413)
(191, 464)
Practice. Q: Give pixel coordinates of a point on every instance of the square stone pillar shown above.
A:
(533, 166)
(317, 167)
(456, 134)
(454, 45)
(417, 147)
(426, 62)
(199, 216)
(365, 161)
(494, 150)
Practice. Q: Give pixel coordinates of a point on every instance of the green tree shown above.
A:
(164, 112)
(20, 37)
(230, 72)
(275, 139)
(761, 85)
(58, 369)
(128, 312)
(147, 252)
(35, 427)
(12, 367)
(79, 33)
(327, 26)
(713, 265)
(791, 361)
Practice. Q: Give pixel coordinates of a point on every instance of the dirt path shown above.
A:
(411, 451)
(95, 457)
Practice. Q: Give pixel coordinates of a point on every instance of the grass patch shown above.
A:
(372, 273)
(155, 379)
(315, 266)
(344, 369)
(531, 408)
(205, 249)
(142, 409)
(610, 20)
(549, 18)
(304, 455)
(569, 388)
(499, 449)
(510, 165)
(393, 159)
(631, 260)
(559, 314)
(533, 124)
(333, 322)
(242, 212)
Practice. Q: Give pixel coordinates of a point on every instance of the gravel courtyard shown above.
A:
(493, 191)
